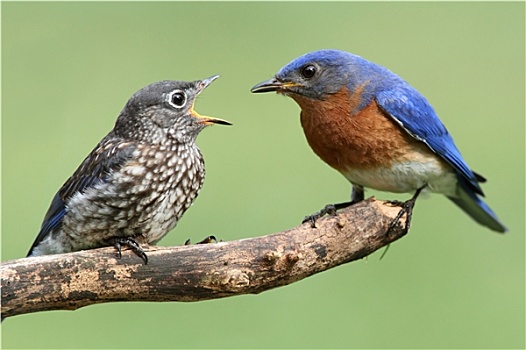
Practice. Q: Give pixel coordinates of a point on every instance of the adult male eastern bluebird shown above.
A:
(138, 181)
(378, 131)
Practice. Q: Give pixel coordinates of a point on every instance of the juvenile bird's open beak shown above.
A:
(205, 82)
(210, 120)
(272, 85)
(204, 119)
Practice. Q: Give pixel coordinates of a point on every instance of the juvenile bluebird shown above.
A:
(138, 181)
(377, 131)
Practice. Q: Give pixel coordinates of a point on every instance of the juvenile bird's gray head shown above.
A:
(162, 110)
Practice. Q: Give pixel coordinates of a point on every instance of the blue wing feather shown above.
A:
(412, 111)
(106, 158)
(54, 215)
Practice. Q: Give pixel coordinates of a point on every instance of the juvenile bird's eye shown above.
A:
(177, 99)
(308, 71)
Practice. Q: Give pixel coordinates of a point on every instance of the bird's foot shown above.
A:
(206, 240)
(405, 208)
(118, 242)
(329, 209)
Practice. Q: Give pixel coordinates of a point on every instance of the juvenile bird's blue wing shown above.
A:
(106, 158)
(412, 111)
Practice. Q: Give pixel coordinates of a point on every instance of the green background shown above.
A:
(68, 69)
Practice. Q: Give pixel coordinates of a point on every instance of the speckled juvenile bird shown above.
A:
(138, 181)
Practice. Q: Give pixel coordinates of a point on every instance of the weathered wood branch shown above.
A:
(197, 272)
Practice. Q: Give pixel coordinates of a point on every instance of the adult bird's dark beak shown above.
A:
(267, 86)
(273, 85)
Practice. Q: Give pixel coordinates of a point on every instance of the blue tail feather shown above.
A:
(468, 201)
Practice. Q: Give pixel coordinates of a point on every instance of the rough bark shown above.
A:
(197, 272)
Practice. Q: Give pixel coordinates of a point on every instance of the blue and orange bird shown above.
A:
(377, 131)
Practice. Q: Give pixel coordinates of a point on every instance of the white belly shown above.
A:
(406, 177)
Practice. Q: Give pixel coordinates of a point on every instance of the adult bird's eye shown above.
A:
(177, 99)
(308, 71)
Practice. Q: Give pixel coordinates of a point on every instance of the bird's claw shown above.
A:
(206, 240)
(329, 209)
(118, 242)
(395, 203)
(406, 208)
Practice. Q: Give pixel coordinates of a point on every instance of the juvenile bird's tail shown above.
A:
(468, 201)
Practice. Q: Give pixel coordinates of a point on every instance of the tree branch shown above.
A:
(197, 272)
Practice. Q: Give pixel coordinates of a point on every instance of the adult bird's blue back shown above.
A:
(377, 130)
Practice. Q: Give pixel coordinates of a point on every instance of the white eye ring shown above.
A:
(177, 98)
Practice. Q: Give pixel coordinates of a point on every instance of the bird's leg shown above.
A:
(118, 242)
(357, 195)
(406, 208)
(206, 240)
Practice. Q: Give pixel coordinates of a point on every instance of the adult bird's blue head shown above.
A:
(320, 74)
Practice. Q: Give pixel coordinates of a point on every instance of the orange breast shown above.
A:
(367, 139)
